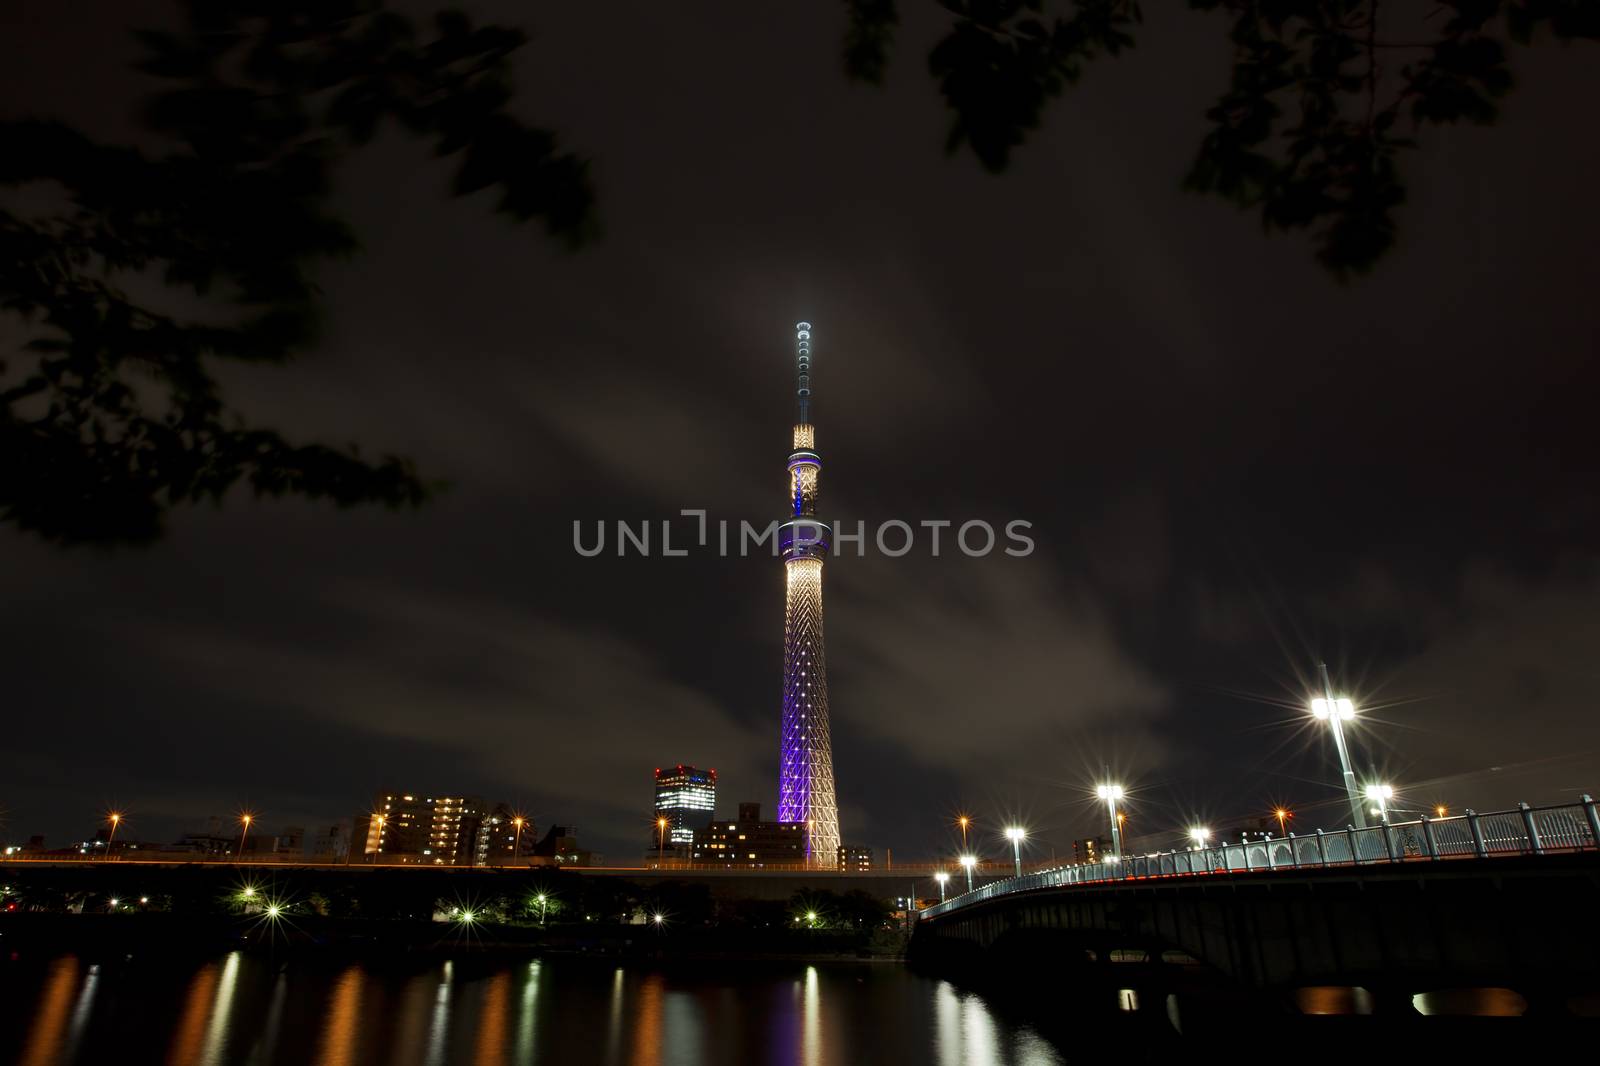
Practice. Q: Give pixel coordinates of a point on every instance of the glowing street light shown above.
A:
(1199, 835)
(115, 818)
(1441, 810)
(274, 911)
(1015, 833)
(1336, 712)
(1111, 794)
(964, 821)
(1381, 794)
(516, 841)
(244, 824)
(658, 919)
(969, 861)
(943, 879)
(1283, 817)
(541, 900)
(661, 842)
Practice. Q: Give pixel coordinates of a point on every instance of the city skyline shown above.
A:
(1235, 468)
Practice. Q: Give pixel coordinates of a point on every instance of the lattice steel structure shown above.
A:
(805, 777)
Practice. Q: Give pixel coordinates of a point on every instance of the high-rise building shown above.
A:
(1090, 850)
(408, 827)
(686, 798)
(855, 858)
(749, 841)
(806, 793)
(504, 836)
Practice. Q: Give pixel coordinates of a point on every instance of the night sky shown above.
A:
(1233, 465)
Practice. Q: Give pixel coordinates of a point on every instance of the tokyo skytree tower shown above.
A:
(805, 787)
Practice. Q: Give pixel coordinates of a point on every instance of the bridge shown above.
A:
(1506, 899)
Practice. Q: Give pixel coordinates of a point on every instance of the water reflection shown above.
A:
(647, 1023)
(344, 1020)
(484, 1010)
(1481, 1002)
(80, 1013)
(189, 1036)
(439, 1026)
(614, 1025)
(44, 1044)
(967, 1032)
(1333, 999)
(811, 1020)
(221, 1008)
(493, 1022)
(526, 1019)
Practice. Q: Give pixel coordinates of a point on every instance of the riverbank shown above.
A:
(105, 934)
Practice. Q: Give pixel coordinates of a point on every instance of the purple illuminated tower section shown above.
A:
(805, 780)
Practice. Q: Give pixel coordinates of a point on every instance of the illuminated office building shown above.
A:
(687, 798)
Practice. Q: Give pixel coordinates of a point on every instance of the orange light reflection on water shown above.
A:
(344, 1020)
(493, 1022)
(49, 1029)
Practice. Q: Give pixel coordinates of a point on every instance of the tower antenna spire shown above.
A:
(802, 361)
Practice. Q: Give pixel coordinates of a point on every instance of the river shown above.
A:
(249, 1008)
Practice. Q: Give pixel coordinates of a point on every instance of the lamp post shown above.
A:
(1283, 818)
(116, 820)
(942, 878)
(516, 841)
(379, 849)
(1111, 794)
(1199, 834)
(1337, 712)
(969, 861)
(661, 842)
(244, 823)
(1381, 794)
(964, 821)
(1015, 833)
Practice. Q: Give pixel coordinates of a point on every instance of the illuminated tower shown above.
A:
(805, 779)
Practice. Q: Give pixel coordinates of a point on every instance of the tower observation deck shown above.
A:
(805, 778)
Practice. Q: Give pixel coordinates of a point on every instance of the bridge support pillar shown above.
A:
(1392, 1002)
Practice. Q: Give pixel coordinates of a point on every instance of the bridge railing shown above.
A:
(1523, 831)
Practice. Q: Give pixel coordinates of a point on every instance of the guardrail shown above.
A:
(1524, 831)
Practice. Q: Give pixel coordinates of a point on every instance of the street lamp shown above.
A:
(116, 820)
(1199, 835)
(516, 841)
(379, 849)
(1381, 794)
(942, 878)
(1111, 794)
(964, 821)
(540, 900)
(969, 861)
(1283, 817)
(244, 822)
(1441, 810)
(661, 842)
(1336, 712)
(1015, 833)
